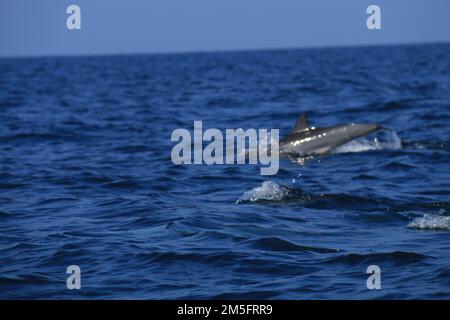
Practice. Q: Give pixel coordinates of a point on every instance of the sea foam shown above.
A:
(431, 222)
(269, 190)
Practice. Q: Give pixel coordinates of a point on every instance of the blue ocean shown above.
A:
(87, 179)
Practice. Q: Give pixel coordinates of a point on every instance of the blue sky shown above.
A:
(38, 27)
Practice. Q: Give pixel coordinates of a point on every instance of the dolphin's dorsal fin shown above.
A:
(301, 124)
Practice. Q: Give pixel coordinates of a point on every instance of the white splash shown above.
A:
(431, 222)
(382, 140)
(267, 191)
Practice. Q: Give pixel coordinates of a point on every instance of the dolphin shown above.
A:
(305, 140)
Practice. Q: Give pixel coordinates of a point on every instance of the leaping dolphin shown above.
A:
(305, 140)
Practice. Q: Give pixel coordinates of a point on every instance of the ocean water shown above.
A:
(86, 176)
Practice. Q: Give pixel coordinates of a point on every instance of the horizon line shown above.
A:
(206, 51)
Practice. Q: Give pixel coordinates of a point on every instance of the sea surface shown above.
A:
(86, 176)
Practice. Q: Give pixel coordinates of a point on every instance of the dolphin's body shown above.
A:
(305, 140)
